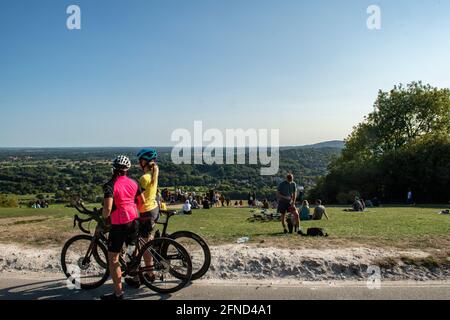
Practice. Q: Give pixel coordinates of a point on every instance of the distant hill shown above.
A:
(334, 144)
(339, 144)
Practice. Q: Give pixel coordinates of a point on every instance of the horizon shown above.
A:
(155, 146)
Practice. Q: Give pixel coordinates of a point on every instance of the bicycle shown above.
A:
(172, 264)
(263, 216)
(200, 257)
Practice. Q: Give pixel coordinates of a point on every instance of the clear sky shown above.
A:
(137, 70)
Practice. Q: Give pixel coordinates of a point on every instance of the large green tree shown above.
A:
(400, 116)
(404, 143)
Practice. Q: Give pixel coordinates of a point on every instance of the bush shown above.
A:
(8, 201)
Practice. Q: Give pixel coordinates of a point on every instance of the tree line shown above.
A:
(83, 172)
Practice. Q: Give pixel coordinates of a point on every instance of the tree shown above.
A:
(400, 116)
(404, 143)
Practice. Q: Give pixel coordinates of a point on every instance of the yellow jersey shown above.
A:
(149, 191)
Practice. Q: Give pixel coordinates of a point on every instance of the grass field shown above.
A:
(402, 227)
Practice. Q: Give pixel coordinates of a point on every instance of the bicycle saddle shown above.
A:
(169, 213)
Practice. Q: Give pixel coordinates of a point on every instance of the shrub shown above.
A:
(8, 201)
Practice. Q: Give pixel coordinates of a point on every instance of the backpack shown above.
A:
(316, 232)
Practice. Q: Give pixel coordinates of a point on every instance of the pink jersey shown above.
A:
(124, 192)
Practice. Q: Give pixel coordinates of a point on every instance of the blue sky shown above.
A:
(137, 70)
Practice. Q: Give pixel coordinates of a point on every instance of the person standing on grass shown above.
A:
(149, 208)
(286, 195)
(409, 197)
(120, 197)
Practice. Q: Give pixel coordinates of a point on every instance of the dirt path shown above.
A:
(44, 286)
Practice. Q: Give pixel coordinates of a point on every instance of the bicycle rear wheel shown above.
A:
(83, 262)
(198, 251)
(172, 267)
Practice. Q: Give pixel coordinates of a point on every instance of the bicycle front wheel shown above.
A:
(83, 262)
(170, 269)
(198, 251)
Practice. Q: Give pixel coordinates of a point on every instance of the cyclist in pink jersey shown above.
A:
(122, 195)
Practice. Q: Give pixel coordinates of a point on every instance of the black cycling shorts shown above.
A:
(147, 222)
(122, 233)
(283, 206)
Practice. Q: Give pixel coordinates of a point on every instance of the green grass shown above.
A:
(57, 211)
(387, 226)
(411, 227)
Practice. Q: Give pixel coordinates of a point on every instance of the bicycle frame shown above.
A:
(165, 223)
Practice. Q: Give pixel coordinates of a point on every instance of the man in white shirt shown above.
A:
(187, 207)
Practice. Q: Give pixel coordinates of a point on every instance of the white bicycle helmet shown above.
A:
(121, 162)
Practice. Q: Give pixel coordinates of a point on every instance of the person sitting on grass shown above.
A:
(187, 207)
(206, 204)
(162, 205)
(445, 211)
(195, 204)
(304, 211)
(357, 206)
(369, 203)
(319, 211)
(274, 204)
(363, 204)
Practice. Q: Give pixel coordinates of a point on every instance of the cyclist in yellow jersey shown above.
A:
(149, 185)
(149, 208)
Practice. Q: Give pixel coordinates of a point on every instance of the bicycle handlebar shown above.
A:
(96, 215)
(77, 219)
(93, 215)
(83, 209)
(169, 213)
